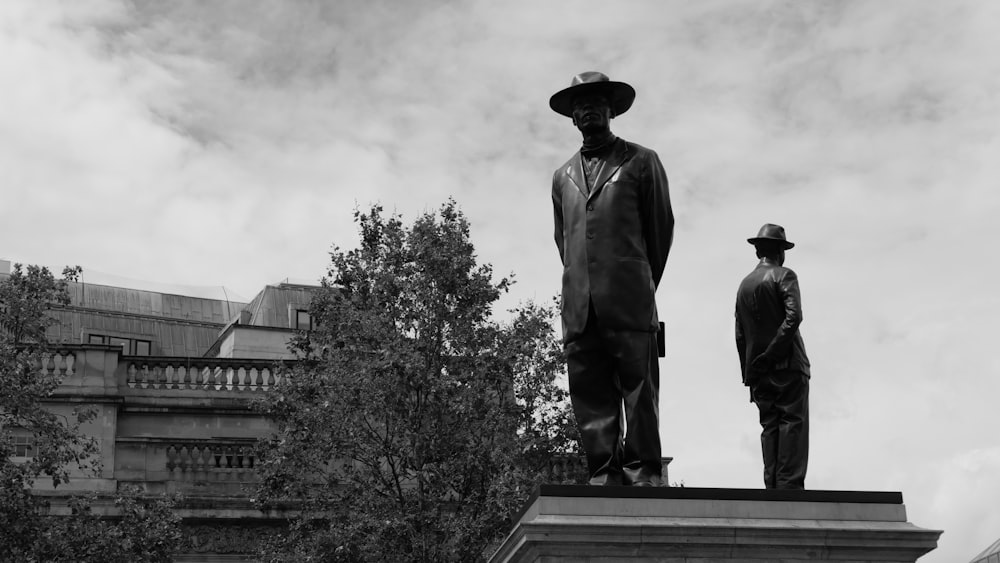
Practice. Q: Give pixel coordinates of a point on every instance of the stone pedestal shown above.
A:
(690, 525)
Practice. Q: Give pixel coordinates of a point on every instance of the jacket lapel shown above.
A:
(608, 168)
(574, 169)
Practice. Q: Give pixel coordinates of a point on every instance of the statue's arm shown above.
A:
(659, 220)
(741, 347)
(557, 211)
(788, 290)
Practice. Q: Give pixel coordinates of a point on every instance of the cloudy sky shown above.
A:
(228, 143)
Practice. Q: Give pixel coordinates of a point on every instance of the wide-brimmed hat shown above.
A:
(620, 94)
(771, 232)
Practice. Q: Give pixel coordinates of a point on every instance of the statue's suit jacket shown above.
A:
(768, 315)
(614, 240)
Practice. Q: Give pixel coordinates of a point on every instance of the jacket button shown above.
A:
(590, 235)
(590, 207)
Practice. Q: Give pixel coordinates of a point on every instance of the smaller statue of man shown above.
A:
(773, 359)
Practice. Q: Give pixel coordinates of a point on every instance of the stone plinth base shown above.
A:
(690, 525)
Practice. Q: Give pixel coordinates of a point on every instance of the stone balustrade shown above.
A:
(568, 469)
(220, 374)
(211, 461)
(102, 369)
(60, 363)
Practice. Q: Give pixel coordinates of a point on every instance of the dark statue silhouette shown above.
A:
(613, 227)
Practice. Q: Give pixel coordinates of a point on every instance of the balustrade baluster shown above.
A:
(208, 454)
(144, 376)
(57, 365)
(211, 461)
(130, 380)
(198, 462)
(249, 463)
(171, 452)
(70, 364)
(253, 374)
(238, 463)
(187, 460)
(161, 377)
(230, 457)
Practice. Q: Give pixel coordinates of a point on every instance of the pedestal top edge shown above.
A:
(771, 495)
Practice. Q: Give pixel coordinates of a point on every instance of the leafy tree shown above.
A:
(147, 531)
(413, 424)
(56, 443)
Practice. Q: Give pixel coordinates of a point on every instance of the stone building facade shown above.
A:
(172, 378)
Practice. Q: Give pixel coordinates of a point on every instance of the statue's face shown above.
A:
(592, 113)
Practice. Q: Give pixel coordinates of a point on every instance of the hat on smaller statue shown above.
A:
(771, 232)
(620, 94)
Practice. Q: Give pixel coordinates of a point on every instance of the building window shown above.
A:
(302, 320)
(24, 446)
(130, 346)
(123, 342)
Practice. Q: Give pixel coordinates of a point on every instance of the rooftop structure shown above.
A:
(989, 555)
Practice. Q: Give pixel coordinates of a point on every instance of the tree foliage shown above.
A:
(413, 423)
(25, 297)
(146, 531)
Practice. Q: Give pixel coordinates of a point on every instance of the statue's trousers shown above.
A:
(614, 387)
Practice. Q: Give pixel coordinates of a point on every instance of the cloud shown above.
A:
(229, 143)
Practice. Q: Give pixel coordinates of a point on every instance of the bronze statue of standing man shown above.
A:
(773, 359)
(613, 227)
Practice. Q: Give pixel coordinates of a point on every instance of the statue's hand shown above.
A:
(762, 363)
